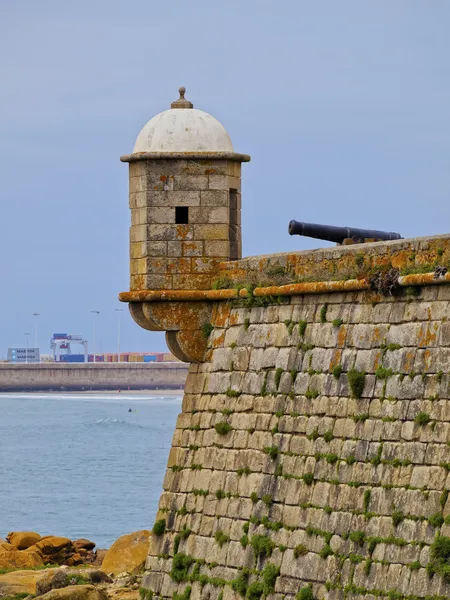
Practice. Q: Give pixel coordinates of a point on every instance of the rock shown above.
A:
(23, 539)
(20, 582)
(97, 576)
(44, 583)
(128, 553)
(123, 594)
(98, 557)
(11, 558)
(54, 549)
(84, 543)
(76, 592)
(75, 559)
(60, 578)
(51, 544)
(4, 545)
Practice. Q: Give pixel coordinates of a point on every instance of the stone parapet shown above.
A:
(358, 261)
(376, 268)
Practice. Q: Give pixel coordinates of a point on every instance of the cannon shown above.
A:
(340, 235)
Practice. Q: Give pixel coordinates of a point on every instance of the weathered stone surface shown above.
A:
(76, 592)
(60, 578)
(306, 462)
(84, 543)
(54, 549)
(23, 539)
(21, 582)
(11, 558)
(127, 554)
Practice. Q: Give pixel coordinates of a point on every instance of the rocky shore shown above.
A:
(57, 568)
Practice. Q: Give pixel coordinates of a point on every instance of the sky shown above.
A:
(343, 107)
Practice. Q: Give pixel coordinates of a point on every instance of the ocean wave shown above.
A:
(114, 422)
(89, 396)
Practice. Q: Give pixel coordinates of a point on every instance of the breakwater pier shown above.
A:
(92, 376)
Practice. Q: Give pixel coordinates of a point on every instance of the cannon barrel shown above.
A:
(339, 234)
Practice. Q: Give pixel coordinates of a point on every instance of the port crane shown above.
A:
(61, 345)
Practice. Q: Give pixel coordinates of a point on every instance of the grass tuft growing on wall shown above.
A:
(159, 527)
(305, 593)
(262, 545)
(207, 329)
(422, 418)
(356, 381)
(222, 428)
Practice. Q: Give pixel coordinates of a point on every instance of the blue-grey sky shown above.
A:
(343, 106)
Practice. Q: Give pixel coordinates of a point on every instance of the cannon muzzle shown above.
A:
(339, 234)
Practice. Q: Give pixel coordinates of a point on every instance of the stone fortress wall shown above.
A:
(311, 458)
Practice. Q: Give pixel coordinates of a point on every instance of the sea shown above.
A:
(83, 464)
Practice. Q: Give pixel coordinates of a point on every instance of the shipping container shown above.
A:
(72, 358)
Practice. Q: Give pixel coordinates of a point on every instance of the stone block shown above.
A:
(138, 184)
(211, 232)
(150, 282)
(190, 182)
(191, 282)
(204, 265)
(216, 248)
(209, 214)
(158, 214)
(224, 182)
(138, 200)
(138, 233)
(168, 232)
(182, 198)
(215, 198)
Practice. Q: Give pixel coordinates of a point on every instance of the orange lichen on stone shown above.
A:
(179, 265)
(189, 247)
(313, 287)
(342, 335)
(400, 260)
(422, 279)
(218, 341)
(233, 319)
(176, 295)
(408, 361)
(182, 232)
(193, 343)
(178, 315)
(204, 265)
(378, 360)
(336, 358)
(427, 335)
(221, 315)
(427, 360)
(376, 335)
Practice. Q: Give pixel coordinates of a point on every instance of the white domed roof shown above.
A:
(183, 128)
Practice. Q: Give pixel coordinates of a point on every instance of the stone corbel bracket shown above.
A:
(182, 314)
(183, 323)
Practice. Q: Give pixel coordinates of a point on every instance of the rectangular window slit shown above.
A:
(181, 215)
(234, 225)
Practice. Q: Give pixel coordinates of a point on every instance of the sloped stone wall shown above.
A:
(312, 457)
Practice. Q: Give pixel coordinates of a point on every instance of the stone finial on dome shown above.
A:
(182, 102)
